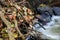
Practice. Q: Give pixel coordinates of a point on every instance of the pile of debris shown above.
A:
(19, 19)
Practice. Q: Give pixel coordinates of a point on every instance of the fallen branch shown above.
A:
(8, 26)
(16, 26)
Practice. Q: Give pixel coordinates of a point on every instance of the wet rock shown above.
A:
(43, 18)
(45, 14)
(45, 9)
(56, 10)
(37, 25)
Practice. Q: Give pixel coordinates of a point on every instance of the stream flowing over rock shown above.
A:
(52, 27)
(56, 10)
(52, 31)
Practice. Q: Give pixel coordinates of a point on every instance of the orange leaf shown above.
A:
(29, 10)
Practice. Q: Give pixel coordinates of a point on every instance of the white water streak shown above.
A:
(52, 28)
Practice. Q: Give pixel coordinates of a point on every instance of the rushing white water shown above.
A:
(52, 31)
(52, 28)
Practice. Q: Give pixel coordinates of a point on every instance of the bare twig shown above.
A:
(8, 26)
(16, 26)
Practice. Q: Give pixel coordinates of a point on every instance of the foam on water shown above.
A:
(52, 28)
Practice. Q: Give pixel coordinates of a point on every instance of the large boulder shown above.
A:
(56, 10)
